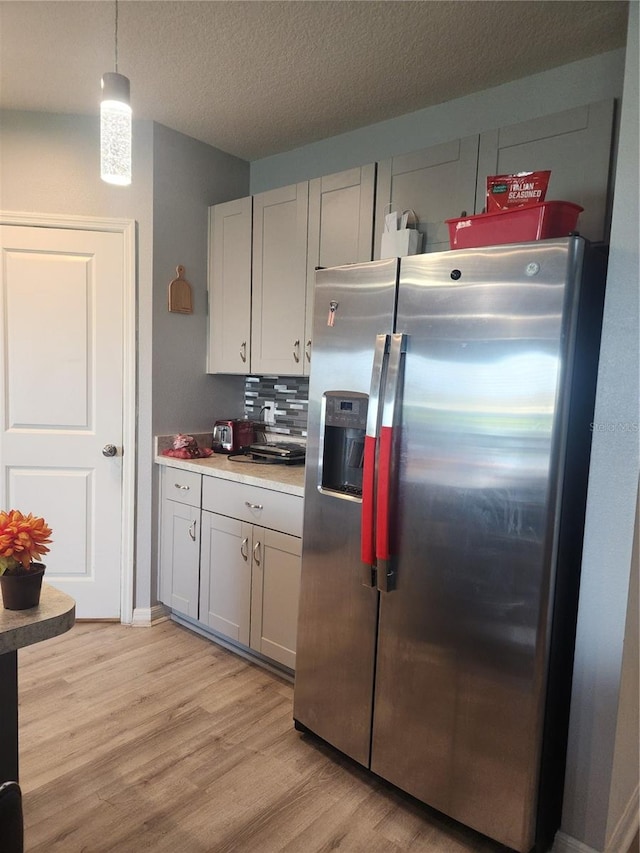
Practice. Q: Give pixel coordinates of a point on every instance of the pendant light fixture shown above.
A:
(115, 124)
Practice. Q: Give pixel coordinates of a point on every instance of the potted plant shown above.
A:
(23, 540)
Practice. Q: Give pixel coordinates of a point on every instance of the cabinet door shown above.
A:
(229, 328)
(274, 594)
(437, 183)
(180, 557)
(574, 144)
(340, 228)
(225, 584)
(279, 280)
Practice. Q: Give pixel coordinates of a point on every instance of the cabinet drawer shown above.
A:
(181, 486)
(274, 510)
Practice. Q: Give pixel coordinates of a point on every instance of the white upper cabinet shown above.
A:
(437, 183)
(279, 280)
(574, 144)
(263, 251)
(229, 343)
(341, 218)
(340, 228)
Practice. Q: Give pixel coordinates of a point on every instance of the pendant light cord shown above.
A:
(116, 39)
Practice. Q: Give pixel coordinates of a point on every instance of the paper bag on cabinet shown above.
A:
(397, 239)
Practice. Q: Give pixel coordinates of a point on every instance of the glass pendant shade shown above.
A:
(115, 130)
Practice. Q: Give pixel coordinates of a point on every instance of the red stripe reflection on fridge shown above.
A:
(450, 403)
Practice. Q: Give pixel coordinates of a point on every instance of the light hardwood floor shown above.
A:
(137, 739)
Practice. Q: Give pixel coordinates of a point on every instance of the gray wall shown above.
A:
(188, 176)
(626, 758)
(572, 85)
(598, 787)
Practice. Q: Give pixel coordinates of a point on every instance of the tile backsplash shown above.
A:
(290, 395)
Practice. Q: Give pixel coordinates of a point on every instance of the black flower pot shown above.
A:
(20, 592)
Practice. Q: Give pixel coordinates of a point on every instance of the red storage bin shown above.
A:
(518, 225)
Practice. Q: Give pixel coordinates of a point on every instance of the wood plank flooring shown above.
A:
(135, 739)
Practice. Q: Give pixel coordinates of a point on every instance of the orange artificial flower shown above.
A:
(23, 539)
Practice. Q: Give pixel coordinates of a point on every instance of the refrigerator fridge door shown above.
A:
(463, 632)
(337, 613)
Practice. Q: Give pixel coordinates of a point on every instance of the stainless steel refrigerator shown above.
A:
(450, 402)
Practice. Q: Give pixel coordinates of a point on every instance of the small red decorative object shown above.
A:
(186, 447)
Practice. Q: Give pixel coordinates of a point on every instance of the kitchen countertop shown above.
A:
(279, 478)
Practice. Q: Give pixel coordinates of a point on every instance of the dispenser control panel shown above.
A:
(344, 425)
(346, 412)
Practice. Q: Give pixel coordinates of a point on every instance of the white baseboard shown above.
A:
(564, 843)
(145, 617)
(621, 837)
(626, 828)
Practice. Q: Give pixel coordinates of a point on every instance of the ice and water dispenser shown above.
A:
(342, 451)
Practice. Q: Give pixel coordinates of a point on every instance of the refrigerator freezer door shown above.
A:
(462, 639)
(337, 613)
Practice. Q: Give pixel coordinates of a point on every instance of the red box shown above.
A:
(518, 225)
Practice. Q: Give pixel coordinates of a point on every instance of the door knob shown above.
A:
(109, 450)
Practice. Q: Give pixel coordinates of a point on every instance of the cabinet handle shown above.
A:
(192, 530)
(184, 488)
(253, 506)
(243, 549)
(296, 351)
(243, 351)
(256, 553)
(307, 350)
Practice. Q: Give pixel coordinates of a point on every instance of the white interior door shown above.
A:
(62, 401)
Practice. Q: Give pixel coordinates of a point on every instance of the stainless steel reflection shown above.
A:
(380, 351)
(435, 678)
(475, 466)
(336, 634)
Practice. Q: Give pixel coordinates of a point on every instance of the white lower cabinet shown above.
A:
(231, 558)
(225, 590)
(275, 588)
(249, 571)
(180, 541)
(250, 582)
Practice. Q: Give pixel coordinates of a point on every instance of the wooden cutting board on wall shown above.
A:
(180, 297)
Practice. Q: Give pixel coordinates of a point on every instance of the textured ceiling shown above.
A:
(257, 78)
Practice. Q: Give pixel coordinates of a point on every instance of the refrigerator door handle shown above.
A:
(367, 541)
(386, 571)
